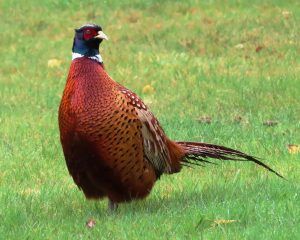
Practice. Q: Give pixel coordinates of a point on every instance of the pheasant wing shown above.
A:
(154, 141)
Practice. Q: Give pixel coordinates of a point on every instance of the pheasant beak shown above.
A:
(101, 35)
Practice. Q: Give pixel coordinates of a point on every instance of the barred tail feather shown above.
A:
(197, 153)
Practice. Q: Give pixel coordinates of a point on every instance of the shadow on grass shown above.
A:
(208, 197)
(201, 199)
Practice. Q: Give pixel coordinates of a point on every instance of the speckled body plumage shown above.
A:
(102, 139)
(113, 145)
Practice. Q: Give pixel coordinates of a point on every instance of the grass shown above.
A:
(235, 62)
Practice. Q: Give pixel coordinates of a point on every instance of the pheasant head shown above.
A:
(87, 41)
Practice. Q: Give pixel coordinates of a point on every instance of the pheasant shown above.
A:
(113, 145)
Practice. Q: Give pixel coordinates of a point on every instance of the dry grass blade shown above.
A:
(222, 222)
(293, 148)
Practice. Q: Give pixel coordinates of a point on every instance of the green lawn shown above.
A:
(238, 63)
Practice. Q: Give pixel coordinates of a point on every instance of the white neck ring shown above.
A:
(97, 57)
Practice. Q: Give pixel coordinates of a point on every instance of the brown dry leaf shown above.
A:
(205, 119)
(52, 63)
(270, 123)
(222, 222)
(148, 89)
(259, 48)
(158, 25)
(90, 223)
(286, 14)
(293, 148)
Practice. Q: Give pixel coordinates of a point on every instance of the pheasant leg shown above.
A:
(112, 206)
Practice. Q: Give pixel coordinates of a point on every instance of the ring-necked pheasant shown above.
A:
(113, 145)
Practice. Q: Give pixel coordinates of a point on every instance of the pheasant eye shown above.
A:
(88, 34)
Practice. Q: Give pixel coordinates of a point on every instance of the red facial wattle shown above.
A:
(89, 33)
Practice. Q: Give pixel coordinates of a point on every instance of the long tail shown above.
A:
(197, 153)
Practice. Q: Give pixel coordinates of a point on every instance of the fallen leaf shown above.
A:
(270, 123)
(293, 148)
(239, 46)
(158, 25)
(286, 14)
(90, 223)
(148, 89)
(204, 119)
(259, 48)
(52, 63)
